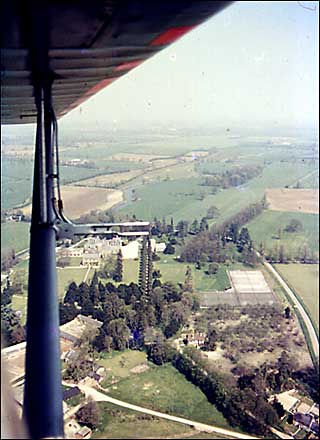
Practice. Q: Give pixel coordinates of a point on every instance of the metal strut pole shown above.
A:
(43, 390)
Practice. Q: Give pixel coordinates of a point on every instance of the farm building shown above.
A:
(83, 433)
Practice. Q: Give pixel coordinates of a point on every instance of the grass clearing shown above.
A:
(304, 278)
(117, 422)
(174, 271)
(120, 363)
(267, 225)
(165, 389)
(66, 276)
(14, 235)
(19, 302)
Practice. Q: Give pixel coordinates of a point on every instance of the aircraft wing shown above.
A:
(91, 45)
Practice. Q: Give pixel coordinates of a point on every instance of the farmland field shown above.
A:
(266, 227)
(293, 200)
(80, 200)
(15, 236)
(304, 278)
(188, 199)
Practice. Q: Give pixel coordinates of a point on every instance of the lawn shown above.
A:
(166, 390)
(14, 235)
(304, 279)
(66, 276)
(117, 422)
(19, 302)
(172, 270)
(120, 363)
(266, 227)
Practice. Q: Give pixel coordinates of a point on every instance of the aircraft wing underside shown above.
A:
(90, 45)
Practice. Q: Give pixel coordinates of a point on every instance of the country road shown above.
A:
(299, 307)
(101, 397)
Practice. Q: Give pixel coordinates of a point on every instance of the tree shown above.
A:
(72, 293)
(294, 226)
(188, 283)
(212, 212)
(204, 224)
(89, 415)
(119, 267)
(212, 268)
(244, 240)
(287, 312)
(143, 266)
(169, 250)
(160, 353)
(261, 248)
(6, 295)
(277, 406)
(149, 267)
(194, 228)
(282, 257)
(63, 261)
(120, 334)
(211, 340)
(182, 228)
(67, 312)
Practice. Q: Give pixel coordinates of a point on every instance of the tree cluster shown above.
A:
(228, 241)
(234, 177)
(8, 259)
(127, 312)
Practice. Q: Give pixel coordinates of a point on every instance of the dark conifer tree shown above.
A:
(119, 267)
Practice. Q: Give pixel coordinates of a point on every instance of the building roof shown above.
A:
(315, 428)
(303, 419)
(315, 410)
(287, 400)
(303, 408)
(84, 430)
(71, 392)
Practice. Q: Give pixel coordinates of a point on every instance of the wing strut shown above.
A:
(42, 406)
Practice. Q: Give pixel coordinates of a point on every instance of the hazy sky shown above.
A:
(253, 63)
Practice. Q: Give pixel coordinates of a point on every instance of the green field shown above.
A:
(14, 235)
(66, 276)
(181, 198)
(304, 279)
(265, 228)
(172, 270)
(164, 389)
(117, 422)
(120, 363)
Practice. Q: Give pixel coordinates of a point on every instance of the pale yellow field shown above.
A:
(107, 180)
(293, 200)
(132, 157)
(79, 200)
